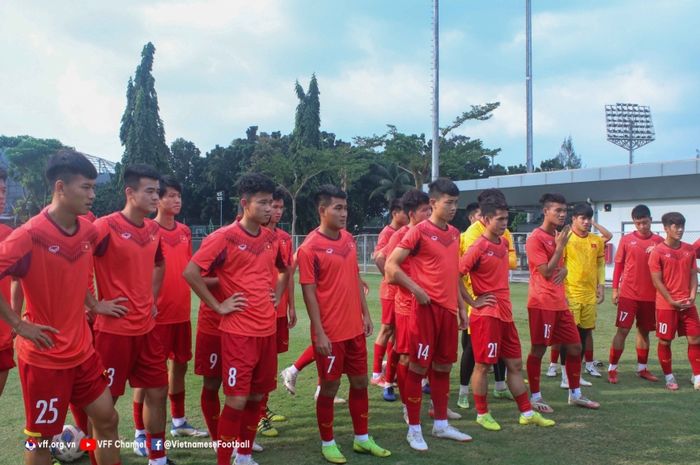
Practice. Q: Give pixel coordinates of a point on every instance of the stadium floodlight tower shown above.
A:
(629, 126)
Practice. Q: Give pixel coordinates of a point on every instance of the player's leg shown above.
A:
(289, 374)
(267, 416)
(666, 327)
(104, 421)
(541, 323)
(553, 361)
(421, 338)
(330, 369)
(485, 345)
(207, 363)
(516, 384)
(380, 344)
(690, 327)
(137, 399)
(646, 322)
(500, 389)
(616, 349)
(567, 333)
(392, 360)
(6, 364)
(466, 368)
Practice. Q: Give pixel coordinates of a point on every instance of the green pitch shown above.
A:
(638, 423)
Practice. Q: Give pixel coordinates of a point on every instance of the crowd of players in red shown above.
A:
(78, 351)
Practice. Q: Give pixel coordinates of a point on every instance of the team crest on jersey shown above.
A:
(183, 238)
(242, 246)
(633, 242)
(126, 235)
(85, 245)
(54, 248)
(329, 250)
(433, 238)
(594, 246)
(550, 242)
(490, 253)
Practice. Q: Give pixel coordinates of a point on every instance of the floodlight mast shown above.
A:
(629, 126)
(436, 92)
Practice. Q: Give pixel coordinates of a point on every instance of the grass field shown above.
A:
(638, 423)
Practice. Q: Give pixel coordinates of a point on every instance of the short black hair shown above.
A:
(395, 206)
(673, 218)
(326, 192)
(279, 194)
(412, 199)
(253, 183)
(134, 173)
(166, 182)
(550, 197)
(471, 208)
(3, 174)
(582, 209)
(67, 163)
(491, 195)
(490, 205)
(442, 186)
(641, 211)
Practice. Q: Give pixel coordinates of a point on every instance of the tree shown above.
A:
(392, 182)
(142, 133)
(567, 155)
(187, 166)
(307, 120)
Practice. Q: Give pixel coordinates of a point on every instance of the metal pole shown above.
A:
(528, 83)
(221, 213)
(436, 93)
(630, 142)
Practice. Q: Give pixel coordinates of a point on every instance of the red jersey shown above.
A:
(696, 246)
(90, 216)
(5, 290)
(633, 257)
(403, 298)
(488, 267)
(435, 255)
(126, 255)
(386, 290)
(331, 264)
(244, 263)
(542, 293)
(54, 268)
(174, 299)
(208, 320)
(675, 266)
(286, 246)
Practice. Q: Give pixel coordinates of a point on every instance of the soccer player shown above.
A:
(51, 254)
(244, 256)
(549, 317)
(286, 313)
(173, 326)
(385, 340)
(466, 239)
(494, 334)
(340, 321)
(434, 248)
(129, 266)
(584, 259)
(635, 296)
(674, 274)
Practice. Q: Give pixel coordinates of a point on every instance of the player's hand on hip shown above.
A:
(38, 334)
(323, 344)
(422, 297)
(111, 307)
(560, 275)
(236, 303)
(600, 294)
(561, 238)
(615, 296)
(485, 300)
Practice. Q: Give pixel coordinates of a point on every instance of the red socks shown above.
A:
(324, 417)
(480, 404)
(229, 427)
(523, 402)
(401, 373)
(138, 415)
(263, 405)
(615, 356)
(589, 355)
(249, 427)
(413, 397)
(554, 355)
(694, 358)
(358, 403)
(210, 411)
(665, 358)
(177, 404)
(642, 356)
(379, 351)
(440, 393)
(573, 370)
(534, 367)
(157, 440)
(392, 361)
(305, 359)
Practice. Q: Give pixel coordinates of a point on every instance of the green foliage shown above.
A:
(307, 121)
(566, 159)
(391, 181)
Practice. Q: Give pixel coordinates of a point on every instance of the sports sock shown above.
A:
(533, 372)
(589, 355)
(177, 405)
(523, 402)
(229, 426)
(379, 351)
(440, 393)
(324, 417)
(401, 373)
(211, 407)
(554, 355)
(392, 359)
(642, 356)
(358, 404)
(263, 405)
(500, 386)
(480, 404)
(249, 426)
(615, 355)
(573, 371)
(158, 440)
(137, 409)
(694, 358)
(414, 397)
(463, 389)
(665, 358)
(306, 358)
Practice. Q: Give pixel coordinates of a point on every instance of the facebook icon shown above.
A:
(156, 444)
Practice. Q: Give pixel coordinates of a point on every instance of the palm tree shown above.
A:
(391, 180)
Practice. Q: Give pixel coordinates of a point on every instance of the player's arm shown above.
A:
(291, 307)
(380, 261)
(396, 275)
(462, 316)
(17, 296)
(467, 263)
(193, 276)
(620, 258)
(211, 281)
(105, 307)
(323, 344)
(38, 334)
(605, 234)
(549, 269)
(512, 253)
(600, 290)
(693, 285)
(366, 318)
(657, 279)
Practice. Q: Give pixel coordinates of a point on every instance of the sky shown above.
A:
(223, 65)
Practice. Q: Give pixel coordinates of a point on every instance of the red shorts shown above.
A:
(48, 391)
(249, 364)
(176, 339)
(207, 355)
(549, 327)
(402, 334)
(493, 339)
(282, 334)
(388, 311)
(433, 335)
(348, 356)
(628, 310)
(668, 322)
(7, 359)
(139, 359)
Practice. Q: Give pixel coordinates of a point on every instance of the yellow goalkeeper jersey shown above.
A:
(584, 258)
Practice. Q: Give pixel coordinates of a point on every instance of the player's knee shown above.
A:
(444, 367)
(514, 365)
(236, 402)
(665, 342)
(538, 350)
(256, 397)
(573, 350)
(358, 382)
(694, 340)
(211, 384)
(329, 388)
(157, 394)
(481, 368)
(414, 367)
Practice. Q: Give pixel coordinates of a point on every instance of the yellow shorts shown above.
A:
(584, 314)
